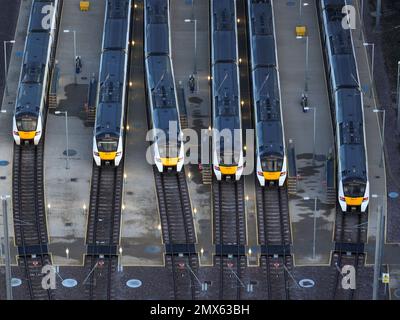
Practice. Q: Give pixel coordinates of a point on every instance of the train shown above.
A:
(347, 107)
(227, 143)
(167, 136)
(108, 137)
(271, 161)
(36, 71)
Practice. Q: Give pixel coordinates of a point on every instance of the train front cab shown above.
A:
(354, 196)
(27, 128)
(271, 169)
(107, 150)
(169, 158)
(231, 169)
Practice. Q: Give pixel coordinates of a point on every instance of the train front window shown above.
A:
(168, 151)
(107, 146)
(26, 124)
(354, 189)
(271, 164)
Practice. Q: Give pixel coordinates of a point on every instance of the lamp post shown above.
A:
(5, 64)
(366, 44)
(398, 95)
(382, 134)
(307, 62)
(195, 43)
(75, 55)
(7, 248)
(66, 135)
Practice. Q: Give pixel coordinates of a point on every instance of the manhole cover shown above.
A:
(15, 282)
(71, 152)
(393, 195)
(134, 283)
(3, 178)
(129, 193)
(74, 179)
(152, 249)
(306, 283)
(397, 293)
(4, 163)
(69, 283)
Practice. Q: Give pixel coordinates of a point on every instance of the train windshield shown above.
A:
(107, 146)
(170, 150)
(354, 189)
(271, 164)
(26, 124)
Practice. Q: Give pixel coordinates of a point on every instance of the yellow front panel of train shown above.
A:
(271, 176)
(107, 155)
(353, 201)
(228, 170)
(27, 135)
(169, 162)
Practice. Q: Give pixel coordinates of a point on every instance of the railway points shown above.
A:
(141, 239)
(292, 57)
(67, 190)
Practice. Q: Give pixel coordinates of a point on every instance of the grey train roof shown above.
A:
(157, 34)
(350, 121)
(348, 98)
(344, 66)
(226, 99)
(265, 79)
(261, 25)
(224, 35)
(37, 17)
(29, 99)
(33, 69)
(109, 107)
(115, 29)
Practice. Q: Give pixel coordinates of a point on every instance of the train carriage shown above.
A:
(168, 148)
(347, 108)
(108, 138)
(35, 77)
(271, 162)
(227, 145)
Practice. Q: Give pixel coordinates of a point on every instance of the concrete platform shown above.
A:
(140, 237)
(299, 128)
(67, 191)
(198, 105)
(6, 116)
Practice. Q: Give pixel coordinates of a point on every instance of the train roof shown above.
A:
(112, 76)
(350, 121)
(266, 94)
(270, 138)
(157, 32)
(117, 9)
(115, 34)
(38, 15)
(35, 57)
(344, 68)
(108, 118)
(29, 99)
(224, 33)
(161, 82)
(333, 3)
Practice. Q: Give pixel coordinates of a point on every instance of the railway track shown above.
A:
(174, 207)
(350, 233)
(229, 214)
(178, 233)
(274, 234)
(103, 230)
(229, 232)
(99, 282)
(273, 216)
(30, 217)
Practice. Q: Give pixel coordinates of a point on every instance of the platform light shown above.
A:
(159, 226)
(3, 111)
(130, 83)
(133, 42)
(238, 20)
(240, 60)
(120, 250)
(125, 176)
(209, 78)
(123, 207)
(84, 207)
(189, 175)
(245, 148)
(135, 6)
(67, 253)
(195, 210)
(48, 206)
(242, 103)
(250, 252)
(127, 127)
(247, 198)
(202, 251)
(209, 128)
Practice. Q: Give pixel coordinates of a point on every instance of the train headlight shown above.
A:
(119, 153)
(365, 199)
(260, 173)
(37, 133)
(158, 159)
(96, 153)
(16, 133)
(283, 173)
(342, 198)
(216, 168)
